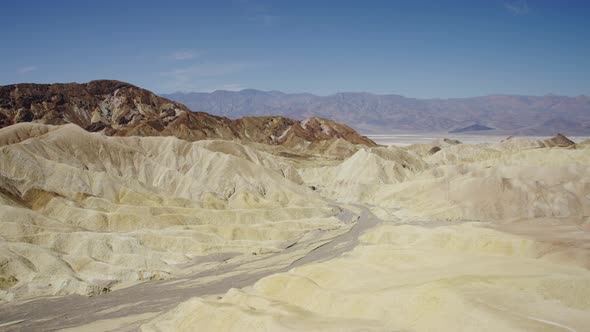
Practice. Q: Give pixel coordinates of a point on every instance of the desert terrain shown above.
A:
(124, 211)
(405, 138)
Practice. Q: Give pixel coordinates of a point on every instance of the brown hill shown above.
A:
(121, 109)
(559, 140)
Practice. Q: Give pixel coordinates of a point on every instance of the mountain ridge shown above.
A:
(180, 92)
(378, 114)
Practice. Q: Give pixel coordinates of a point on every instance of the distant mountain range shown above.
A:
(379, 114)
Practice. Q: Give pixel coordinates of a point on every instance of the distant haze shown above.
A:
(379, 114)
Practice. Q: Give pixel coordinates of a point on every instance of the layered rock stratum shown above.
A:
(237, 229)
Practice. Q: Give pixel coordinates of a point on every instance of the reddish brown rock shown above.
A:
(121, 109)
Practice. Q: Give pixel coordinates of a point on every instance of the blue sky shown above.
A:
(413, 48)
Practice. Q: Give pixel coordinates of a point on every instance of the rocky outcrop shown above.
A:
(121, 109)
(281, 130)
(559, 140)
(434, 150)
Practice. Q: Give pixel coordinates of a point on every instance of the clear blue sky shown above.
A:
(414, 48)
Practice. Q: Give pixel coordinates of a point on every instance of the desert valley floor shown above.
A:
(162, 234)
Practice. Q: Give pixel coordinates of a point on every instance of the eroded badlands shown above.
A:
(431, 237)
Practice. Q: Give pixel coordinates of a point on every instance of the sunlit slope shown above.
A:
(358, 177)
(411, 278)
(547, 182)
(485, 237)
(80, 211)
(513, 179)
(431, 267)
